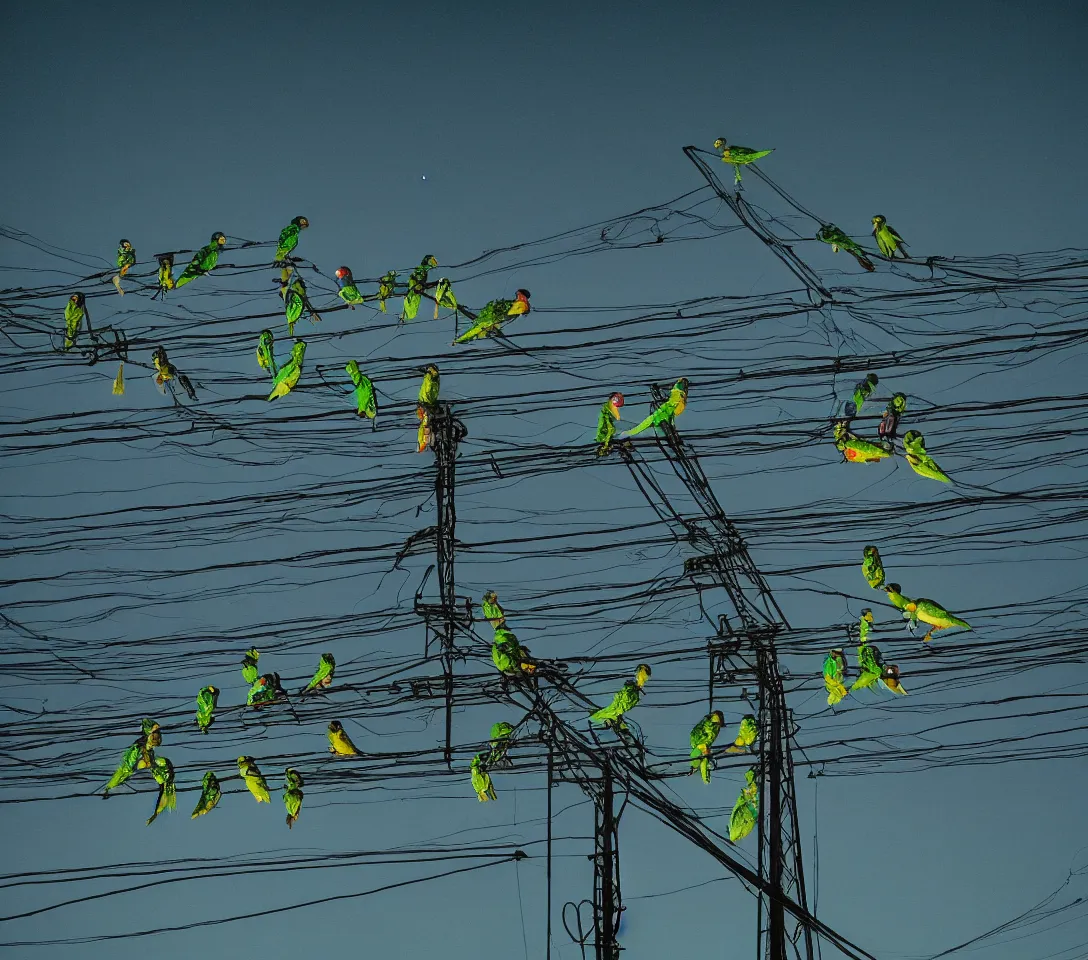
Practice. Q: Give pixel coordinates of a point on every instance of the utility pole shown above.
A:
(446, 616)
(607, 905)
(747, 635)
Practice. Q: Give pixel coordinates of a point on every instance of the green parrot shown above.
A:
(326, 670)
(668, 411)
(249, 665)
(428, 390)
(856, 450)
(126, 768)
(417, 283)
(288, 241)
(254, 780)
(266, 353)
(865, 624)
(627, 699)
(746, 810)
(126, 259)
(887, 239)
(140, 754)
(863, 390)
(871, 567)
(889, 423)
(209, 795)
(292, 794)
(443, 297)
(747, 735)
(492, 609)
(510, 656)
(366, 401)
(204, 260)
(339, 742)
(166, 273)
(294, 302)
(387, 286)
(703, 735)
(606, 426)
(163, 772)
(481, 779)
(870, 663)
(932, 613)
(921, 463)
(265, 689)
(75, 312)
(501, 734)
(838, 240)
(165, 371)
(288, 376)
(206, 702)
(490, 320)
(834, 675)
(739, 156)
(348, 292)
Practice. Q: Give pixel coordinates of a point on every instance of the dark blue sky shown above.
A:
(964, 128)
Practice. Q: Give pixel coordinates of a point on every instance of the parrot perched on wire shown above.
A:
(832, 235)
(163, 772)
(492, 610)
(428, 403)
(887, 239)
(75, 312)
(443, 296)
(339, 742)
(126, 258)
(417, 283)
(137, 756)
(509, 655)
(288, 376)
(254, 780)
(872, 567)
(266, 353)
(834, 675)
(606, 426)
(249, 665)
(206, 702)
(366, 401)
(387, 286)
(428, 389)
(856, 450)
(626, 699)
(895, 409)
(209, 795)
(747, 735)
(265, 689)
(863, 390)
(292, 795)
(326, 670)
(166, 273)
(668, 411)
(746, 810)
(347, 291)
(500, 741)
(932, 613)
(204, 260)
(702, 738)
(739, 156)
(165, 371)
(481, 779)
(914, 446)
(490, 320)
(294, 302)
(287, 243)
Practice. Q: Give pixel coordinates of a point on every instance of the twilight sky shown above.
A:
(455, 129)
